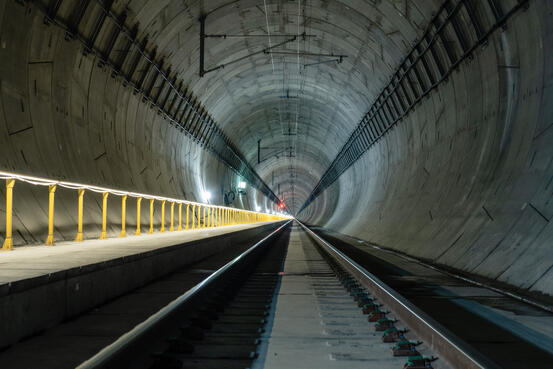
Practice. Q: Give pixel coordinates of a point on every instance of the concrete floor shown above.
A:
(316, 322)
(34, 261)
(70, 343)
(44, 285)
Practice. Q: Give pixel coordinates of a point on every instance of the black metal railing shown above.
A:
(453, 34)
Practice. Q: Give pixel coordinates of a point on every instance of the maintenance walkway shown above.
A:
(41, 286)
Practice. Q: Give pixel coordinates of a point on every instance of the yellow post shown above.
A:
(208, 217)
(171, 228)
(180, 217)
(79, 237)
(51, 193)
(162, 217)
(151, 216)
(8, 242)
(203, 225)
(123, 216)
(187, 211)
(138, 201)
(193, 216)
(104, 214)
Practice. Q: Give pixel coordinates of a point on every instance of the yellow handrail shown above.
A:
(213, 215)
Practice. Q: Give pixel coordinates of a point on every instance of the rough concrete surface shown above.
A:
(463, 180)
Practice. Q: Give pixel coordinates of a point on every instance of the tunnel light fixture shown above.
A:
(242, 185)
(41, 181)
(206, 195)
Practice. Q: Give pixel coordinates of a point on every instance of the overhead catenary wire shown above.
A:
(271, 55)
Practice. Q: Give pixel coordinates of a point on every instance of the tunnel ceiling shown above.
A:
(298, 108)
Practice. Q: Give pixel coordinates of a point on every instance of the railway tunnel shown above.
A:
(410, 139)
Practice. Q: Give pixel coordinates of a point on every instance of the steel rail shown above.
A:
(447, 345)
(105, 357)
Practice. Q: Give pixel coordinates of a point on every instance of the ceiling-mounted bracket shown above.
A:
(276, 151)
(203, 36)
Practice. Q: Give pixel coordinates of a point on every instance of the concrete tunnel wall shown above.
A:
(63, 117)
(463, 180)
(466, 179)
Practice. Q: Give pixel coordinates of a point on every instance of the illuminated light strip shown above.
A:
(39, 181)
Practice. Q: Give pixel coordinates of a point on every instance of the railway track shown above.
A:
(219, 322)
(231, 307)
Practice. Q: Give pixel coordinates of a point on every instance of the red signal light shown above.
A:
(281, 205)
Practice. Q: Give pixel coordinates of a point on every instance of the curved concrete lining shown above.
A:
(464, 180)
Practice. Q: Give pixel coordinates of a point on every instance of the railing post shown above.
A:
(104, 214)
(187, 211)
(203, 225)
(51, 193)
(123, 216)
(209, 217)
(171, 228)
(138, 201)
(193, 216)
(180, 217)
(151, 216)
(8, 242)
(79, 237)
(162, 216)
